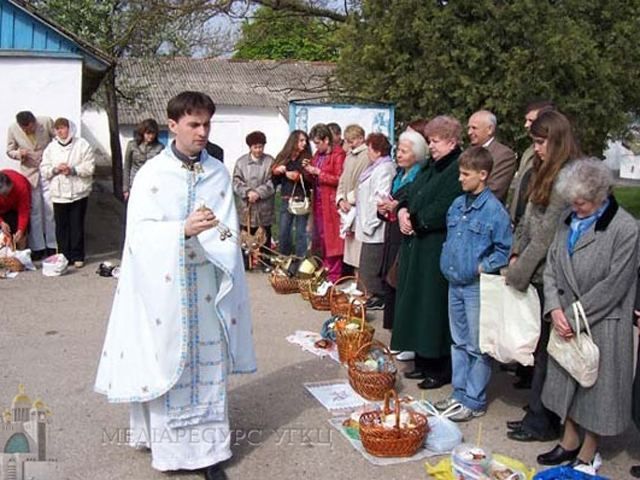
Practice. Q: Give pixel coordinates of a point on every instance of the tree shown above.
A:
(435, 57)
(132, 28)
(276, 35)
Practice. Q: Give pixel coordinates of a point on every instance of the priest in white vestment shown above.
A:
(180, 321)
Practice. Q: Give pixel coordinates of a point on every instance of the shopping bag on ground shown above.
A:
(509, 321)
(565, 473)
(444, 435)
(55, 265)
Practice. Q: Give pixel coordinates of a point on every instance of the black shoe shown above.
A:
(415, 375)
(558, 455)
(374, 303)
(514, 424)
(37, 255)
(525, 436)
(635, 471)
(430, 383)
(50, 251)
(215, 472)
(522, 384)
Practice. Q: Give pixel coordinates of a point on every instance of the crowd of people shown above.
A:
(421, 229)
(418, 226)
(43, 206)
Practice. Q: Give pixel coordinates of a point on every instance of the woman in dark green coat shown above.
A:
(421, 322)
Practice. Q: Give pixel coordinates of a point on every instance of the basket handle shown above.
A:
(363, 320)
(337, 282)
(396, 406)
(378, 343)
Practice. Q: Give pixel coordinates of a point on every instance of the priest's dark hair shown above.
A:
(188, 102)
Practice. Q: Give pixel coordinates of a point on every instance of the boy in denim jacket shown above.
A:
(478, 241)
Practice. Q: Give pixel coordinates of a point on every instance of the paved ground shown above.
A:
(52, 331)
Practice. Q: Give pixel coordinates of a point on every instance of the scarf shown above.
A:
(581, 225)
(367, 172)
(403, 178)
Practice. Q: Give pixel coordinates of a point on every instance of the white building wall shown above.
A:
(45, 86)
(230, 126)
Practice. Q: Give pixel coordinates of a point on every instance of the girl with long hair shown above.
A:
(554, 146)
(288, 172)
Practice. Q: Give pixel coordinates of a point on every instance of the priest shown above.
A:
(180, 321)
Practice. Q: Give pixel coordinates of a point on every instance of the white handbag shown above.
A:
(578, 355)
(299, 207)
(509, 321)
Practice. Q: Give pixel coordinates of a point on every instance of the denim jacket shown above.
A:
(478, 235)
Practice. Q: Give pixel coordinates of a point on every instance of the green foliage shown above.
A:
(629, 198)
(455, 58)
(275, 35)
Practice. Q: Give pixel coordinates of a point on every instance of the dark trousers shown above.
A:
(539, 420)
(70, 228)
(389, 307)
(434, 367)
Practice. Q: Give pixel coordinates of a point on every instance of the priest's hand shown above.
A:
(199, 221)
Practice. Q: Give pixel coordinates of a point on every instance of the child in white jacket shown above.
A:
(68, 163)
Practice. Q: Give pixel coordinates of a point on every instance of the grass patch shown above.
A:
(629, 198)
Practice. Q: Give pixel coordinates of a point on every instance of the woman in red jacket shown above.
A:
(326, 168)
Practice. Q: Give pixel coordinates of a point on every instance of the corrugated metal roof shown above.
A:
(150, 83)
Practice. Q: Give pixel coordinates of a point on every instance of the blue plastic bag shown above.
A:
(565, 473)
(326, 332)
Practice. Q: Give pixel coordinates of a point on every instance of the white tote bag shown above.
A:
(509, 321)
(579, 355)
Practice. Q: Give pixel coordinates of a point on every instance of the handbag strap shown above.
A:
(580, 317)
(304, 190)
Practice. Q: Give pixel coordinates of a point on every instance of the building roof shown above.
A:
(26, 32)
(150, 83)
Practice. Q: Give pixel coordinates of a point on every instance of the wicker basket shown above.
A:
(350, 341)
(371, 385)
(320, 302)
(392, 442)
(305, 285)
(341, 302)
(11, 263)
(283, 284)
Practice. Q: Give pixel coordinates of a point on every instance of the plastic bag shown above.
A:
(443, 469)
(24, 257)
(327, 332)
(55, 265)
(565, 473)
(444, 435)
(509, 321)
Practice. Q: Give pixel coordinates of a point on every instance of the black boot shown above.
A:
(215, 472)
(635, 471)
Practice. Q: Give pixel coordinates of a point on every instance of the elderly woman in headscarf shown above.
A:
(410, 154)
(593, 260)
(421, 321)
